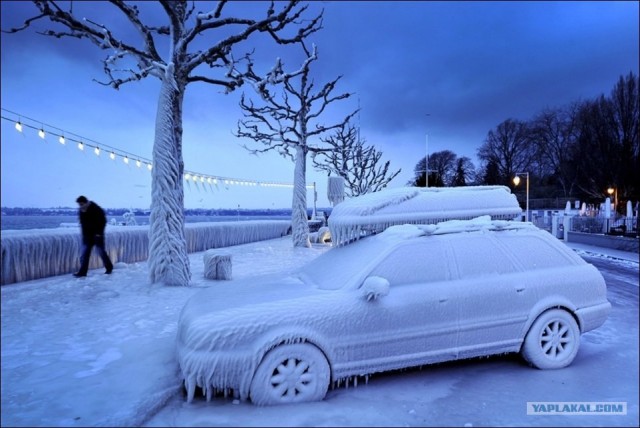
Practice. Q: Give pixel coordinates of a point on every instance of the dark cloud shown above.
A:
(476, 63)
(469, 65)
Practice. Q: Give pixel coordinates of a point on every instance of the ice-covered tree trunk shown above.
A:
(168, 260)
(299, 223)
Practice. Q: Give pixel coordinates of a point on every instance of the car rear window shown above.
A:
(479, 255)
(533, 252)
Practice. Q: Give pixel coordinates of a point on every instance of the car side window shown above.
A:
(415, 262)
(478, 255)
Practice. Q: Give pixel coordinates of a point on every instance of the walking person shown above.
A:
(92, 221)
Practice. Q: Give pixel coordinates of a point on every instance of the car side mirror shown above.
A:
(374, 287)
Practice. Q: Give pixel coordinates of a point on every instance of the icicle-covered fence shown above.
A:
(40, 253)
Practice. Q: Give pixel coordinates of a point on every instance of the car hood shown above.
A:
(239, 299)
(248, 291)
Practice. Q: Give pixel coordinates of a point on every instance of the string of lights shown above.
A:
(22, 123)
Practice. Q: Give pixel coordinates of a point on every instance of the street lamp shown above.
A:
(611, 191)
(516, 181)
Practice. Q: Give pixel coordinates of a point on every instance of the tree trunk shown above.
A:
(168, 260)
(299, 223)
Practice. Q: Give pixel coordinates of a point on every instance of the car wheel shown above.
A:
(552, 341)
(290, 374)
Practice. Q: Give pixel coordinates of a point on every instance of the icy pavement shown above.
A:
(100, 351)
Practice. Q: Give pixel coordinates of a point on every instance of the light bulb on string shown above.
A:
(42, 133)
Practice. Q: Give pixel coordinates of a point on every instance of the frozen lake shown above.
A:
(22, 222)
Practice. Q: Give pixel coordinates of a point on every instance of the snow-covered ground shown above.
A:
(100, 351)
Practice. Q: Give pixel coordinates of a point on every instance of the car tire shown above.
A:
(290, 374)
(552, 341)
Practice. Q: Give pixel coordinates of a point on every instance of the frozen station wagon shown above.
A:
(408, 296)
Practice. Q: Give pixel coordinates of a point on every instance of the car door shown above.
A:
(416, 322)
(494, 303)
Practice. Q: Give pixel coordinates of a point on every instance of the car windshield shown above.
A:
(342, 267)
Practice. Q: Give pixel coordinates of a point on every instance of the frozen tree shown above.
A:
(190, 46)
(285, 121)
(350, 159)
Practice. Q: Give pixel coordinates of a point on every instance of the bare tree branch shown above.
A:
(356, 163)
(285, 121)
(147, 58)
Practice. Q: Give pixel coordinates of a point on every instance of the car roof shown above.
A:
(367, 251)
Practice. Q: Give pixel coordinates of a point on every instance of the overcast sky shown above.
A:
(449, 70)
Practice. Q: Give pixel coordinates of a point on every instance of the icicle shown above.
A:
(190, 384)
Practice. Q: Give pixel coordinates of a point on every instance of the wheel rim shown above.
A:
(557, 340)
(292, 379)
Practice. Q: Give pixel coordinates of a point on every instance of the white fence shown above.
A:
(627, 226)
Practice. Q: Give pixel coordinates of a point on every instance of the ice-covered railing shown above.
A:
(40, 253)
(374, 212)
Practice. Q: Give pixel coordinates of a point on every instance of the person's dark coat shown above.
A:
(93, 221)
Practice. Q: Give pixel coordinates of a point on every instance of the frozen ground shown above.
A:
(99, 351)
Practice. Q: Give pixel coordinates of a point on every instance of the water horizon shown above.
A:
(32, 221)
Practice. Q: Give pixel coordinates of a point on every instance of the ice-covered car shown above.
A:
(408, 296)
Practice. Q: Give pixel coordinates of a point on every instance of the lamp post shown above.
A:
(426, 159)
(613, 191)
(315, 201)
(426, 162)
(516, 181)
